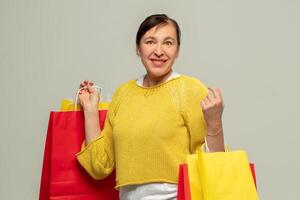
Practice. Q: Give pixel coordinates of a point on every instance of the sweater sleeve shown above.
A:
(97, 158)
(196, 91)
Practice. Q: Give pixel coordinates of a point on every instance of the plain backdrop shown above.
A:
(249, 49)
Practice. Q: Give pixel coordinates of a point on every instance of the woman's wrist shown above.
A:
(89, 109)
(216, 143)
(215, 138)
(215, 129)
(92, 127)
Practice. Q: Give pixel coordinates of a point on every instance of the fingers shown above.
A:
(213, 99)
(86, 86)
(211, 92)
(90, 89)
(212, 107)
(215, 96)
(86, 83)
(205, 103)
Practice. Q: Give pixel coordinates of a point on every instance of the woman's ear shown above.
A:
(137, 50)
(177, 53)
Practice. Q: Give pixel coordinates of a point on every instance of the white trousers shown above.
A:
(151, 191)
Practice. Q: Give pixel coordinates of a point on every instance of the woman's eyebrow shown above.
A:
(153, 38)
(149, 37)
(170, 38)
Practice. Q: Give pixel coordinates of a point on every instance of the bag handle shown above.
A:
(207, 149)
(77, 94)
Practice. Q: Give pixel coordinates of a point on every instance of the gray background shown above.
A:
(250, 49)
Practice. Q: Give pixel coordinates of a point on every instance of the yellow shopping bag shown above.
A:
(69, 105)
(219, 176)
(73, 105)
(194, 177)
(226, 176)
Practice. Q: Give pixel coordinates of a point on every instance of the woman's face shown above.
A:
(158, 50)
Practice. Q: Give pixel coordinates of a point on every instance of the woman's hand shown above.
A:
(212, 107)
(88, 96)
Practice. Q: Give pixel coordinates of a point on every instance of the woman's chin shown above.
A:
(159, 73)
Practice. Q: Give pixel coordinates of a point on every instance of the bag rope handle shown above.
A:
(207, 149)
(78, 91)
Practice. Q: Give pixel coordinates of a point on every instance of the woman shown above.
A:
(153, 122)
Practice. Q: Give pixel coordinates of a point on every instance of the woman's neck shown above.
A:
(152, 81)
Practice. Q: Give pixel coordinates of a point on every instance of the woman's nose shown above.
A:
(158, 50)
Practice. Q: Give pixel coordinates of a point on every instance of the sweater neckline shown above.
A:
(140, 80)
(158, 85)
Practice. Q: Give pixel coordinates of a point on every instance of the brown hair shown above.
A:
(153, 20)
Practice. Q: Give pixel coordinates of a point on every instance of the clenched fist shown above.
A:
(88, 96)
(212, 107)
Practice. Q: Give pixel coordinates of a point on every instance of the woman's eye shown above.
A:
(149, 42)
(168, 43)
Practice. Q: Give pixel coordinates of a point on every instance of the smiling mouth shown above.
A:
(158, 63)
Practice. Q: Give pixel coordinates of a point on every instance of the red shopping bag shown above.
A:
(252, 167)
(62, 176)
(184, 192)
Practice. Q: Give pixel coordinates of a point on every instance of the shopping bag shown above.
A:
(183, 191)
(252, 167)
(194, 177)
(226, 176)
(69, 105)
(62, 176)
(189, 185)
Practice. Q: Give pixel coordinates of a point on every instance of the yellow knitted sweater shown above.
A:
(148, 132)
